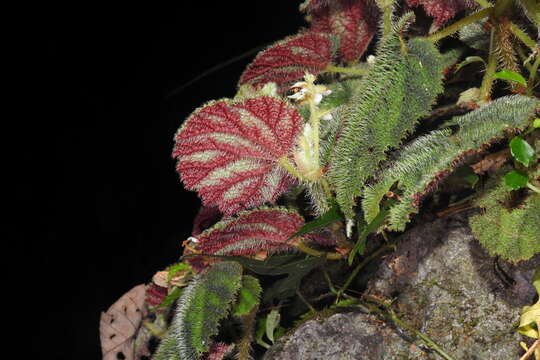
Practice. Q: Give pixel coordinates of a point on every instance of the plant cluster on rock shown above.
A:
(329, 151)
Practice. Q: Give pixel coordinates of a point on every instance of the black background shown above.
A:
(100, 205)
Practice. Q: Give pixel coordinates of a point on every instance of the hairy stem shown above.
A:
(501, 6)
(345, 70)
(522, 35)
(386, 7)
(248, 324)
(449, 30)
(314, 121)
(155, 330)
(533, 73)
(483, 3)
(487, 81)
(287, 165)
(533, 188)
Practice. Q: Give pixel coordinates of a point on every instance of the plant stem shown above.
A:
(449, 30)
(531, 350)
(533, 73)
(501, 6)
(314, 121)
(329, 281)
(287, 165)
(303, 299)
(359, 267)
(392, 316)
(487, 81)
(522, 35)
(345, 70)
(483, 3)
(310, 251)
(154, 330)
(533, 188)
(523, 58)
(326, 188)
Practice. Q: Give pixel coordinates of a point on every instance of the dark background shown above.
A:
(100, 205)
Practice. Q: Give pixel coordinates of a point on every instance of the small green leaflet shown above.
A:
(259, 333)
(272, 322)
(365, 229)
(469, 60)
(329, 217)
(521, 150)
(515, 180)
(536, 123)
(248, 296)
(510, 76)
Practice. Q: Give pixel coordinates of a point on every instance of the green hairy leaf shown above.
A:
(426, 161)
(511, 233)
(248, 296)
(168, 349)
(204, 303)
(397, 91)
(272, 322)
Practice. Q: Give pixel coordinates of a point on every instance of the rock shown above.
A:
(446, 286)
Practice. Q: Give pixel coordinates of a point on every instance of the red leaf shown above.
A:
(264, 229)
(443, 10)
(228, 152)
(354, 22)
(310, 5)
(218, 351)
(289, 59)
(206, 217)
(155, 294)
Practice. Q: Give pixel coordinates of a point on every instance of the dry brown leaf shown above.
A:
(119, 325)
(492, 162)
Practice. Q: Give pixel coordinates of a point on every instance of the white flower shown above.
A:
(327, 117)
(308, 91)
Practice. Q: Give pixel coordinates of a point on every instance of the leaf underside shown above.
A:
(288, 60)
(252, 231)
(354, 23)
(443, 10)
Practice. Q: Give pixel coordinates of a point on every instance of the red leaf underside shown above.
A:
(288, 60)
(354, 22)
(267, 229)
(443, 10)
(228, 152)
